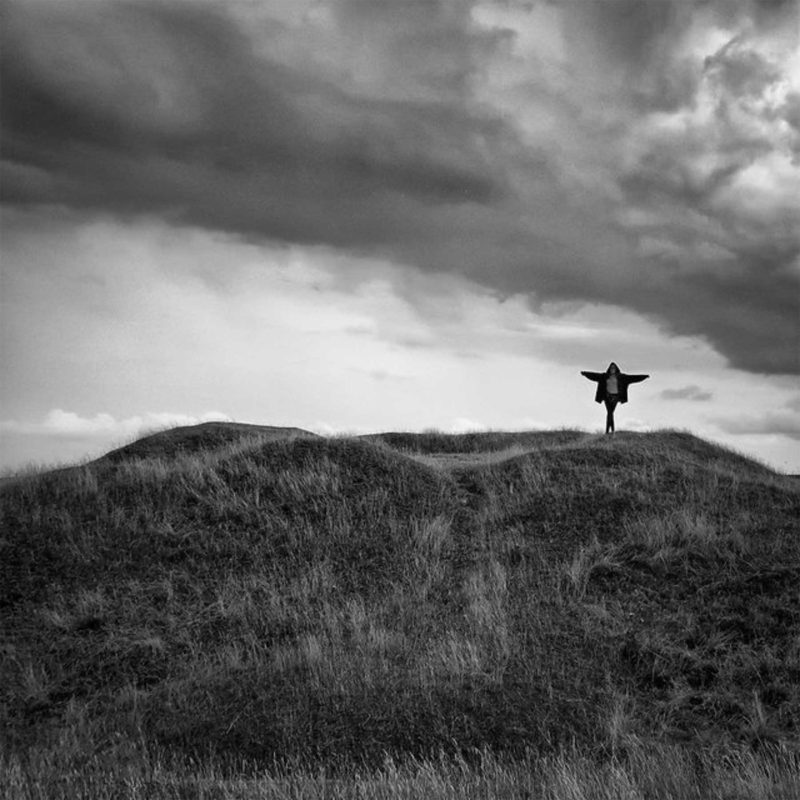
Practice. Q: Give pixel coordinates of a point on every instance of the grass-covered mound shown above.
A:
(189, 439)
(338, 600)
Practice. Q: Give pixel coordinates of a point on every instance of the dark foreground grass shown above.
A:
(588, 610)
(656, 773)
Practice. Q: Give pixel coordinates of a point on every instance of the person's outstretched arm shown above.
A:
(636, 378)
(593, 376)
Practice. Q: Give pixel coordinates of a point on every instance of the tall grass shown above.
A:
(562, 612)
(656, 773)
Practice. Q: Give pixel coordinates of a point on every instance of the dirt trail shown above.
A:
(484, 458)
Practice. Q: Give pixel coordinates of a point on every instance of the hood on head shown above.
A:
(613, 366)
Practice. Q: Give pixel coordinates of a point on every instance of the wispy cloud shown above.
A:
(771, 423)
(692, 392)
(68, 424)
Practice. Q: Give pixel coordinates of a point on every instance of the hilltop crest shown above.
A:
(190, 439)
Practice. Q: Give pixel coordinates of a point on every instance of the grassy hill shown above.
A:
(226, 593)
(190, 439)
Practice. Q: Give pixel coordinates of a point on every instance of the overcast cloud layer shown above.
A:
(644, 154)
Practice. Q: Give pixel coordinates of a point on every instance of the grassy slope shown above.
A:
(337, 599)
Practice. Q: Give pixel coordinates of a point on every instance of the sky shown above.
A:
(353, 216)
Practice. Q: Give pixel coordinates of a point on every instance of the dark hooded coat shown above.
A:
(623, 381)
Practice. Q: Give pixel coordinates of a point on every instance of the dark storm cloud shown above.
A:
(751, 306)
(692, 392)
(728, 269)
(629, 31)
(361, 128)
(742, 72)
(213, 132)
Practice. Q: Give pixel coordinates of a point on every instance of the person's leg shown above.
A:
(610, 406)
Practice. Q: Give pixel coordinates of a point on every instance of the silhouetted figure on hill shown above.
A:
(612, 388)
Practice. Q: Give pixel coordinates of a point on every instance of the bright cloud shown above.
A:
(60, 423)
